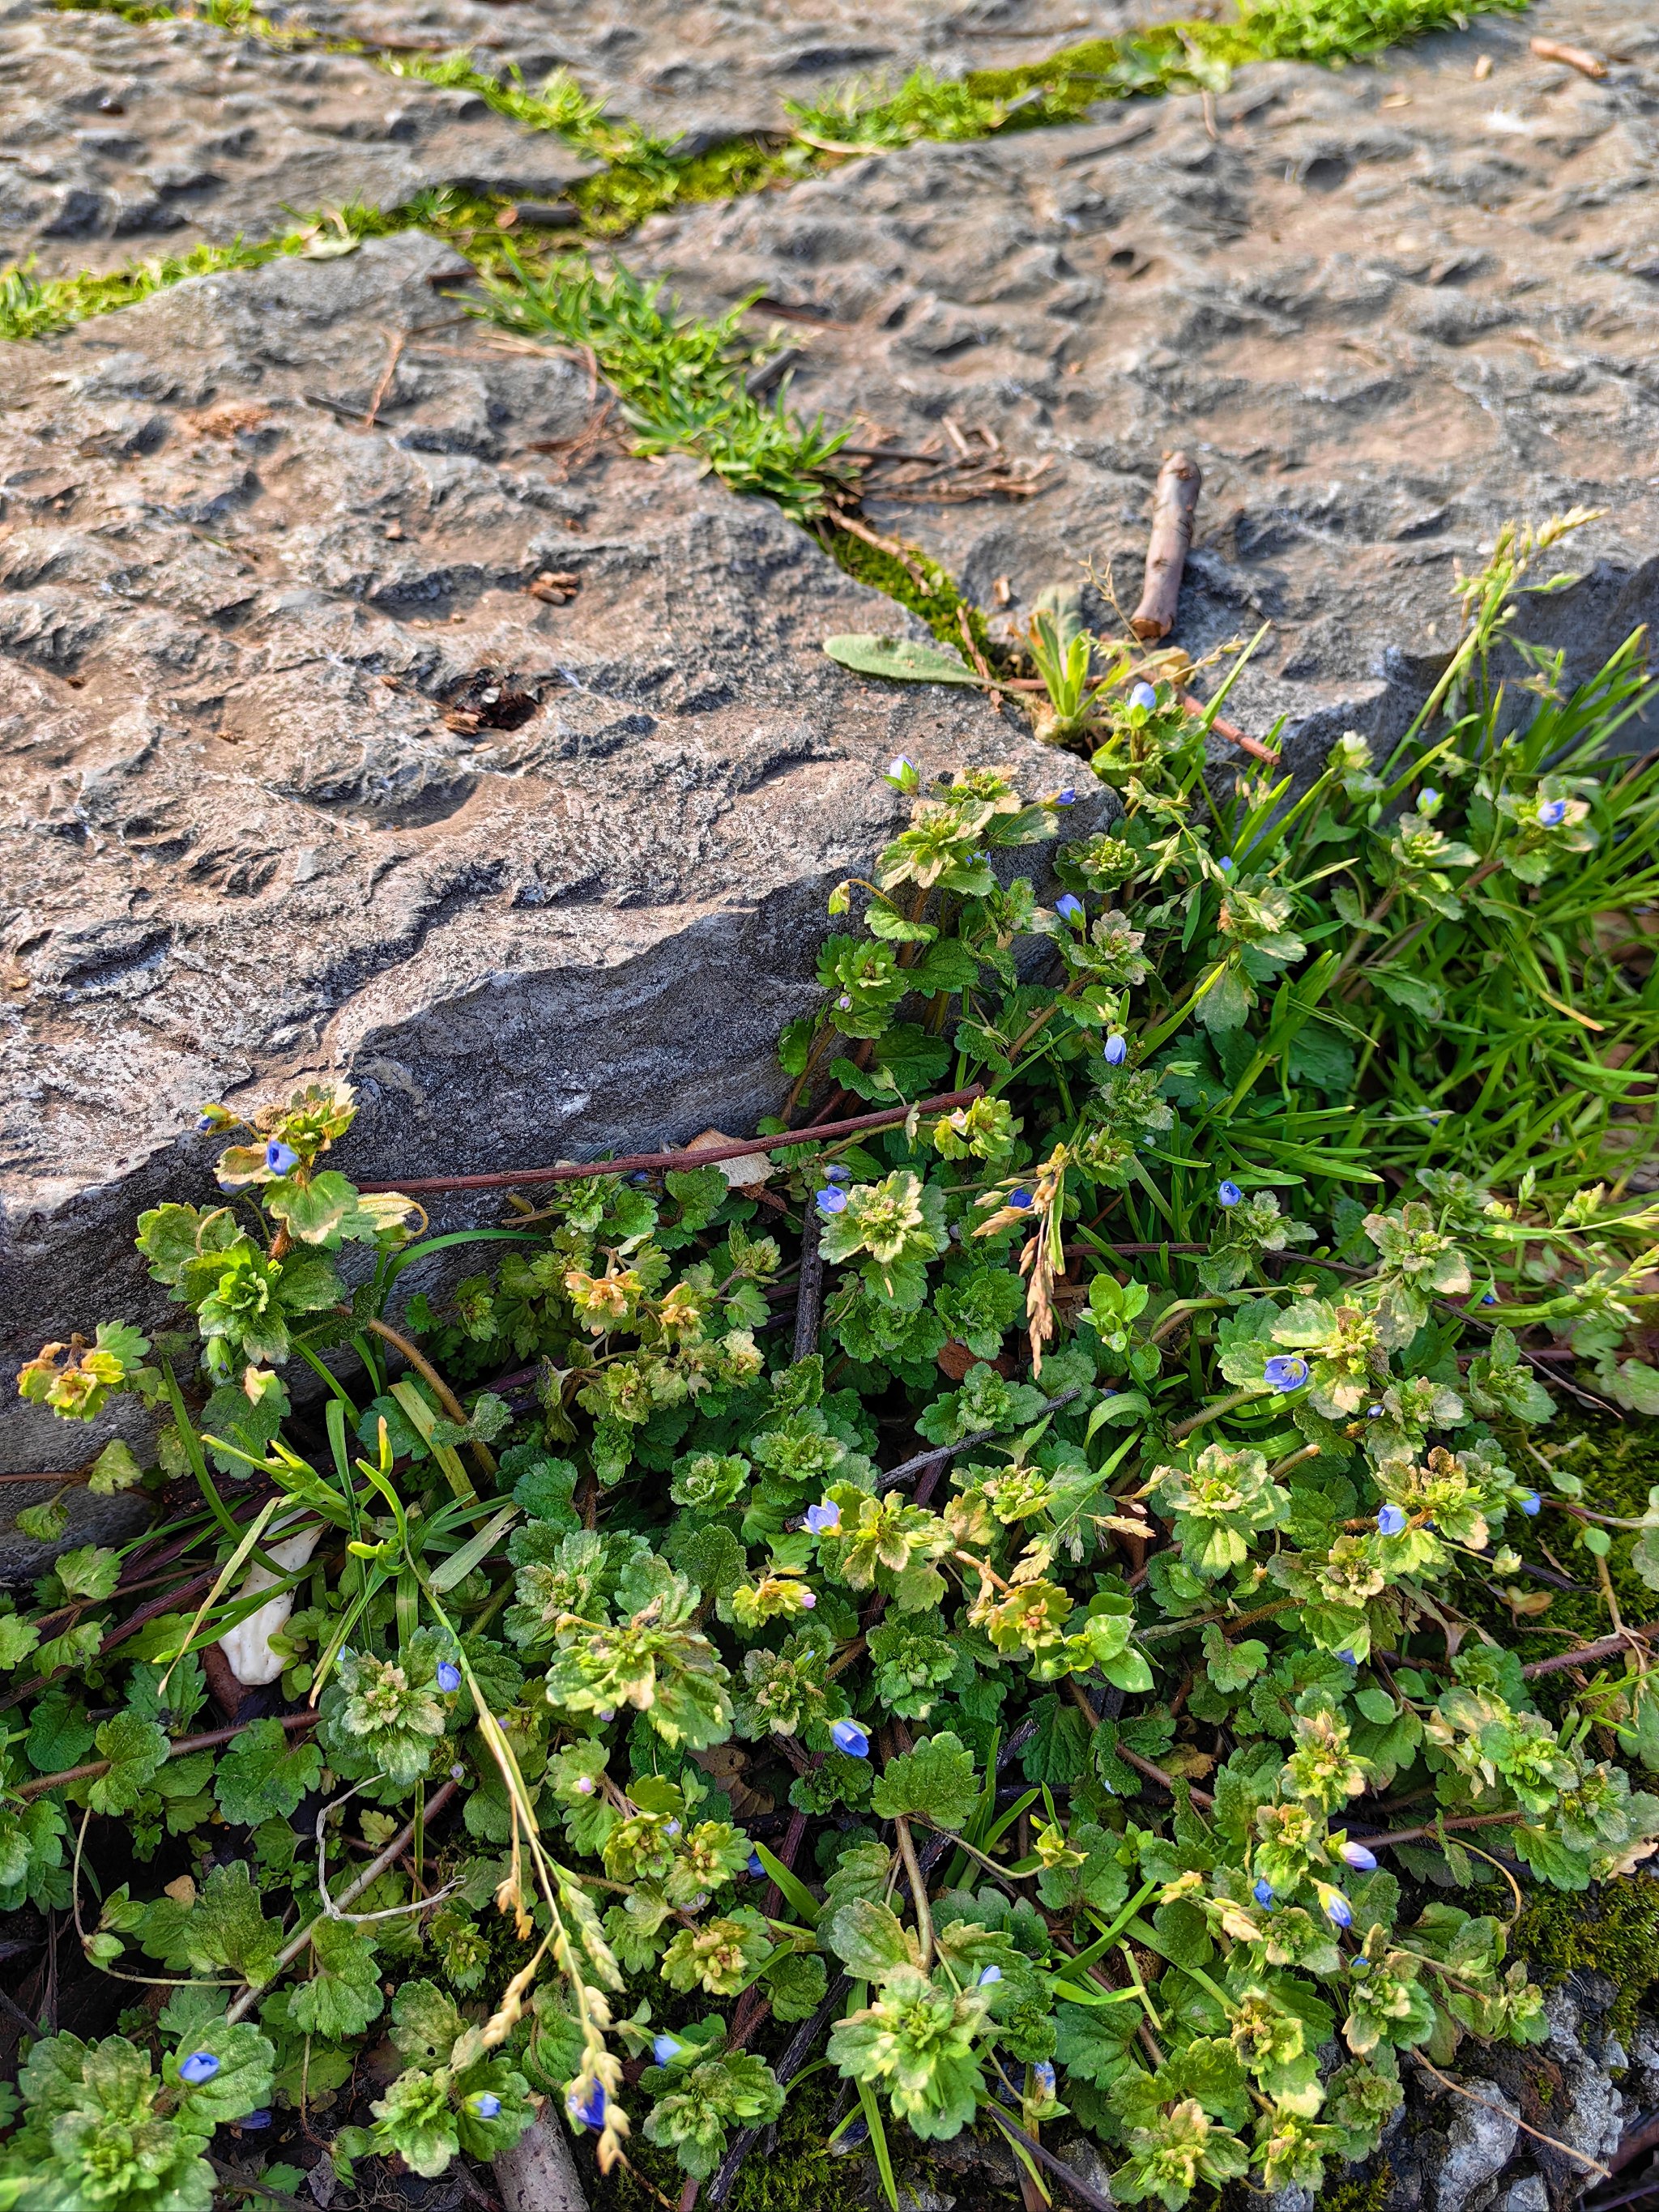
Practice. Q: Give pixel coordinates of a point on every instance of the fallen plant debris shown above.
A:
(1151, 1418)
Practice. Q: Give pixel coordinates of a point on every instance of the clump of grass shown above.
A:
(679, 379)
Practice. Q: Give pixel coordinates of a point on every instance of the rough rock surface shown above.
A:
(299, 776)
(730, 66)
(1446, 2152)
(1386, 308)
(119, 140)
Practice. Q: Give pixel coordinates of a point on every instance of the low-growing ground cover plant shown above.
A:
(1026, 1612)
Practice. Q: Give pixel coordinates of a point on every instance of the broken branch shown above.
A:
(1173, 504)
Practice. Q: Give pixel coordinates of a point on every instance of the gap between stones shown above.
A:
(754, 445)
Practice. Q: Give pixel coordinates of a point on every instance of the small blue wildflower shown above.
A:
(587, 2112)
(457, 1773)
(831, 1200)
(1348, 1658)
(844, 1004)
(902, 772)
(1117, 1050)
(1552, 811)
(757, 1870)
(1067, 797)
(987, 1975)
(849, 1737)
(1359, 1965)
(671, 1828)
(1021, 1198)
(205, 1123)
(1373, 1412)
(1488, 1298)
(1263, 1891)
(1358, 1858)
(1531, 1503)
(1043, 2074)
(1391, 1520)
(607, 1712)
(824, 1519)
(1228, 1193)
(583, 1785)
(1338, 1911)
(1067, 908)
(484, 2105)
(665, 2048)
(259, 2119)
(836, 1173)
(1225, 864)
(1285, 1374)
(1144, 696)
(281, 1159)
(1428, 797)
(449, 1676)
(200, 2066)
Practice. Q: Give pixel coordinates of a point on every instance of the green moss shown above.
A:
(937, 599)
(797, 2175)
(1614, 1928)
(1358, 2196)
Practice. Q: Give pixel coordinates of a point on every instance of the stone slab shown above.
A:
(247, 831)
(119, 140)
(1386, 308)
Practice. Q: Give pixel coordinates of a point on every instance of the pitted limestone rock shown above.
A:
(299, 775)
(1386, 308)
(119, 140)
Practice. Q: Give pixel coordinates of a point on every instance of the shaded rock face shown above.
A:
(1469, 2149)
(300, 776)
(121, 140)
(1385, 308)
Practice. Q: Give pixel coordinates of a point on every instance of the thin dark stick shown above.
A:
(787, 2068)
(704, 1157)
(809, 1298)
(186, 1743)
(1605, 1647)
(1073, 2181)
(1634, 2142)
(907, 1470)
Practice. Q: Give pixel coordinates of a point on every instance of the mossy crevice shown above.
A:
(1614, 1930)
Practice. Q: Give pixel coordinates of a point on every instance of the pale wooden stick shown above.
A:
(1179, 483)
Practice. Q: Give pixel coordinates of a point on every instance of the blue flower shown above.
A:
(1021, 1198)
(836, 1173)
(587, 2112)
(831, 1200)
(200, 2066)
(1391, 1520)
(671, 1828)
(1285, 1374)
(1263, 1891)
(849, 1737)
(824, 1519)
(281, 1159)
(1347, 1658)
(665, 2048)
(1552, 812)
(844, 1002)
(449, 1676)
(987, 1975)
(1228, 1193)
(755, 1868)
(1530, 1503)
(205, 1123)
(1373, 1412)
(583, 1784)
(1067, 797)
(484, 2105)
(1428, 797)
(1226, 863)
(259, 2119)
(1488, 1298)
(1357, 1856)
(1359, 1965)
(902, 772)
(1338, 1911)
(1117, 1050)
(1043, 2073)
(1144, 696)
(1067, 908)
